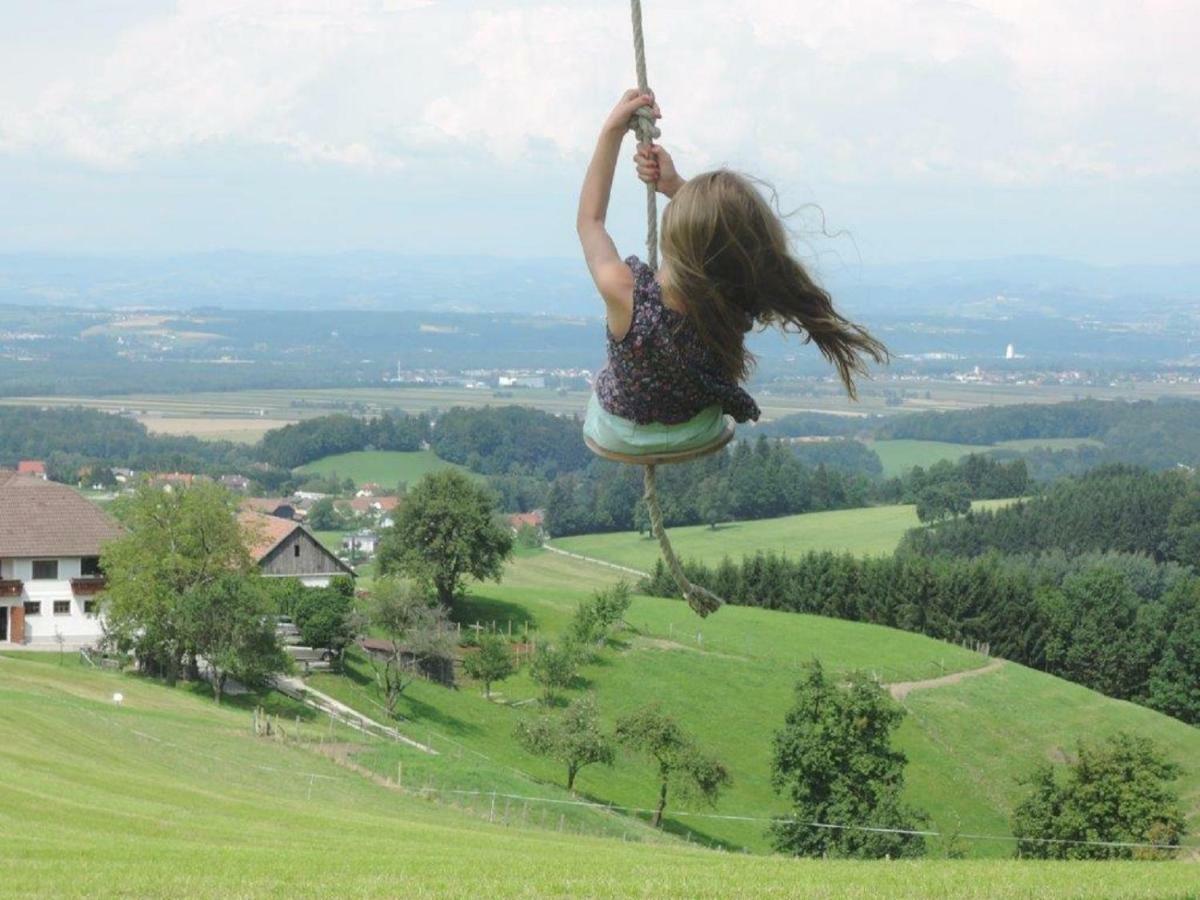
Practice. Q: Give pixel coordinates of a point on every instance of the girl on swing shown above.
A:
(677, 352)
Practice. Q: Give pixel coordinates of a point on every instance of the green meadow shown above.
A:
(898, 456)
(872, 531)
(169, 794)
(384, 467)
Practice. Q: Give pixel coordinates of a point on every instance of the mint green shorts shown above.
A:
(623, 436)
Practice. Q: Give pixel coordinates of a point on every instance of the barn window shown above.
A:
(296, 551)
(33, 608)
(45, 569)
(89, 567)
(62, 607)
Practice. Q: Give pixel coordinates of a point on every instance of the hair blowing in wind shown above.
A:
(728, 261)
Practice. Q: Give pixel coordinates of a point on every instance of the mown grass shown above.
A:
(899, 456)
(871, 531)
(729, 679)
(169, 795)
(386, 468)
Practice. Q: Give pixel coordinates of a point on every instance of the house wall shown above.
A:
(300, 555)
(76, 626)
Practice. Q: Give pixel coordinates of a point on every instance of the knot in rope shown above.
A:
(642, 124)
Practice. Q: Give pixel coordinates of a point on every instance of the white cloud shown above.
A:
(864, 92)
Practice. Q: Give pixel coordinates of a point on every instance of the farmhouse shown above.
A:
(50, 542)
(286, 549)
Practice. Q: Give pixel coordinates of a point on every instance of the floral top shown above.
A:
(661, 371)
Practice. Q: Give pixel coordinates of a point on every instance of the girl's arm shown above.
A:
(613, 278)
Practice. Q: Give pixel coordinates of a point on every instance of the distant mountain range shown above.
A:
(997, 288)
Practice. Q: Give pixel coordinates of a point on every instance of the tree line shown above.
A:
(762, 480)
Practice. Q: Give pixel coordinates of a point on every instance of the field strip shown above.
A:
(599, 562)
(901, 689)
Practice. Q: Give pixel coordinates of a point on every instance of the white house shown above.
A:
(50, 540)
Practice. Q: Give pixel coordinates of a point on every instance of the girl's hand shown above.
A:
(655, 166)
(631, 101)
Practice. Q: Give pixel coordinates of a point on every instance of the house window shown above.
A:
(62, 607)
(296, 551)
(45, 570)
(89, 607)
(89, 567)
(33, 608)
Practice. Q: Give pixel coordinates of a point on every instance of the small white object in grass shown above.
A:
(118, 698)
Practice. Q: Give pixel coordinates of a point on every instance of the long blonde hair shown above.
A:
(729, 265)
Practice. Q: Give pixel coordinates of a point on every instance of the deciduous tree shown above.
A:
(573, 737)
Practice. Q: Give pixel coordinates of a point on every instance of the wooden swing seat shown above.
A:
(663, 459)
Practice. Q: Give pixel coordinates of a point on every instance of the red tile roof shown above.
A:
(264, 533)
(44, 518)
(31, 467)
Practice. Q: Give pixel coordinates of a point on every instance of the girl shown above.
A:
(676, 340)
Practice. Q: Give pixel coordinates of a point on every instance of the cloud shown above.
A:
(998, 92)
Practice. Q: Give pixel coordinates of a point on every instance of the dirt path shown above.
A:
(902, 689)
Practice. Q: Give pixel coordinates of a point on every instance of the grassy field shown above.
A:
(729, 679)
(239, 429)
(870, 531)
(169, 795)
(898, 456)
(384, 467)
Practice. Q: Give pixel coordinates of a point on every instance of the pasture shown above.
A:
(871, 531)
(384, 467)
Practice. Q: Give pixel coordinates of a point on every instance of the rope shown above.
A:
(645, 129)
(700, 599)
(642, 123)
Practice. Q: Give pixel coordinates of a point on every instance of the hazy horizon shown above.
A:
(930, 130)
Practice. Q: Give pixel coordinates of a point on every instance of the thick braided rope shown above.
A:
(645, 129)
(700, 599)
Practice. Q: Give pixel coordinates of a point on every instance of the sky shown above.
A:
(928, 129)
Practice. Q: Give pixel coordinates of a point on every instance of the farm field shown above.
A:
(384, 467)
(294, 404)
(898, 456)
(239, 429)
(870, 531)
(191, 804)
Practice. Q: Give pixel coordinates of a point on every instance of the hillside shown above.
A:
(870, 531)
(729, 678)
(384, 467)
(169, 795)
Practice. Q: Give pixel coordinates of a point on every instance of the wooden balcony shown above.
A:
(11, 587)
(85, 587)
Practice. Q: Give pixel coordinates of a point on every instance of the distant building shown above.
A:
(1010, 352)
(286, 549)
(50, 543)
(534, 519)
(278, 507)
(34, 467)
(364, 542)
(238, 483)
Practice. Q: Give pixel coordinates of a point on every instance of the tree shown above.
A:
(573, 737)
(177, 542)
(493, 661)
(680, 763)
(553, 668)
(324, 516)
(834, 761)
(227, 623)
(1118, 791)
(445, 533)
(595, 618)
(415, 629)
(943, 500)
(324, 615)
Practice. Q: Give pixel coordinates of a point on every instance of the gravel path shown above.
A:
(902, 689)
